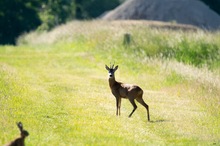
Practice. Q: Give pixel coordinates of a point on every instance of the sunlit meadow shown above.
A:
(56, 84)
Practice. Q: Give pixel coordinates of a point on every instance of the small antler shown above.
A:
(112, 67)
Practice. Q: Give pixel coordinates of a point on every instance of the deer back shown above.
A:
(125, 90)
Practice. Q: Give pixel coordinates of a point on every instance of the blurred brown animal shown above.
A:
(129, 91)
(20, 140)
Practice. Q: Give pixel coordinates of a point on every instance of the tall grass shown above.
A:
(199, 48)
(56, 84)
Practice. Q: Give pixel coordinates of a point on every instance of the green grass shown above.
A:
(56, 84)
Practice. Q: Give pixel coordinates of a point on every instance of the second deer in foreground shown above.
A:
(121, 90)
(20, 140)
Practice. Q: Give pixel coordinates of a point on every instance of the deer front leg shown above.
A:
(118, 106)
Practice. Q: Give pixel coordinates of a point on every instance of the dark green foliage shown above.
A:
(213, 4)
(87, 9)
(56, 12)
(19, 16)
(16, 17)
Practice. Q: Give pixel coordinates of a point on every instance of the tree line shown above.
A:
(19, 16)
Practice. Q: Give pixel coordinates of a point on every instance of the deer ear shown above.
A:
(116, 68)
(20, 126)
(107, 67)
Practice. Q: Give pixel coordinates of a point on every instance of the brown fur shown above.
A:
(128, 91)
(20, 140)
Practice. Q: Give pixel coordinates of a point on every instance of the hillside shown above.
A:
(180, 11)
(56, 84)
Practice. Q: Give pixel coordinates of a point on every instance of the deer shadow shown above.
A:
(159, 121)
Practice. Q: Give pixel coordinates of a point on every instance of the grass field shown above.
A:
(56, 84)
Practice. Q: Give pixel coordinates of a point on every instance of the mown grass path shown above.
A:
(62, 97)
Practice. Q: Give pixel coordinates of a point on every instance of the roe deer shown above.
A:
(20, 140)
(121, 90)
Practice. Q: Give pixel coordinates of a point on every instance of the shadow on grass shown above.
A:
(159, 121)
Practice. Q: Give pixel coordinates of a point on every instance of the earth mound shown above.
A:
(192, 12)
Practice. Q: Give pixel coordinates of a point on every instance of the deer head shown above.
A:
(111, 70)
(20, 140)
(24, 133)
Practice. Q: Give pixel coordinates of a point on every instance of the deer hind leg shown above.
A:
(141, 101)
(134, 105)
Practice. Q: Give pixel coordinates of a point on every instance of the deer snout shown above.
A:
(110, 75)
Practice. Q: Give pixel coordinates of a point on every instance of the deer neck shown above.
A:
(112, 81)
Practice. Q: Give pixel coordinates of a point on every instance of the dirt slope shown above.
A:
(191, 12)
